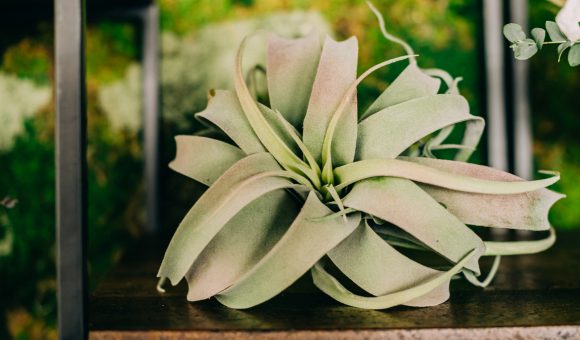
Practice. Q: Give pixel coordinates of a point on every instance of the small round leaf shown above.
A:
(539, 35)
(574, 55)
(554, 31)
(514, 32)
(525, 51)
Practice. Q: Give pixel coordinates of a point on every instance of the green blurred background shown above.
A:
(199, 38)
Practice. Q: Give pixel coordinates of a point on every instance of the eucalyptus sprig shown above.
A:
(524, 47)
(309, 180)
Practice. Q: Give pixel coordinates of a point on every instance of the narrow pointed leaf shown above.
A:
(354, 172)
(402, 203)
(300, 248)
(410, 84)
(329, 285)
(243, 241)
(520, 247)
(380, 269)
(336, 72)
(515, 211)
(204, 159)
(389, 132)
(245, 181)
(291, 69)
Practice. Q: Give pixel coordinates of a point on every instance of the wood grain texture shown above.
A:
(535, 296)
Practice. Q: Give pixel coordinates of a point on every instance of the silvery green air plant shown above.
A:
(312, 179)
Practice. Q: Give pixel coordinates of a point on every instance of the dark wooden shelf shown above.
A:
(535, 296)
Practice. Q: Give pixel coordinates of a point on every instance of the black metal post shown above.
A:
(151, 113)
(71, 180)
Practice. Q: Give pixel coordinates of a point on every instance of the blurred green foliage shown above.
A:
(445, 34)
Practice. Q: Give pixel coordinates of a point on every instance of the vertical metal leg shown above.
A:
(71, 180)
(494, 67)
(151, 112)
(523, 153)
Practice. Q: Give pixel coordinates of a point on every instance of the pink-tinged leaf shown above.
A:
(291, 69)
(517, 211)
(204, 159)
(308, 239)
(404, 204)
(243, 241)
(389, 132)
(336, 72)
(332, 287)
(378, 268)
(224, 111)
(412, 83)
(244, 182)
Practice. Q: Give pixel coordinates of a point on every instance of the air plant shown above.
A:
(308, 180)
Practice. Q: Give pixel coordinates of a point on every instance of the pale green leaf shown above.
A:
(242, 242)
(402, 203)
(241, 184)
(449, 81)
(291, 69)
(520, 247)
(354, 172)
(332, 126)
(306, 241)
(329, 285)
(410, 84)
(272, 141)
(514, 32)
(336, 73)
(525, 50)
(554, 31)
(574, 55)
(224, 111)
(527, 211)
(472, 278)
(380, 269)
(204, 159)
(387, 133)
(562, 48)
(539, 35)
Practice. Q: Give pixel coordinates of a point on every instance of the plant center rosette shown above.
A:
(309, 183)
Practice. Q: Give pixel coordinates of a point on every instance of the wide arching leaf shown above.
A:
(308, 239)
(275, 142)
(410, 84)
(402, 203)
(224, 111)
(354, 172)
(291, 69)
(329, 285)
(527, 210)
(378, 268)
(204, 159)
(247, 180)
(242, 242)
(336, 72)
(389, 132)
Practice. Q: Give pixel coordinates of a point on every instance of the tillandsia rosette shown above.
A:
(309, 183)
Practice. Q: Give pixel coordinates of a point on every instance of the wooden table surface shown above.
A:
(534, 296)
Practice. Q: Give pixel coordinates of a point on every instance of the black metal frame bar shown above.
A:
(71, 179)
